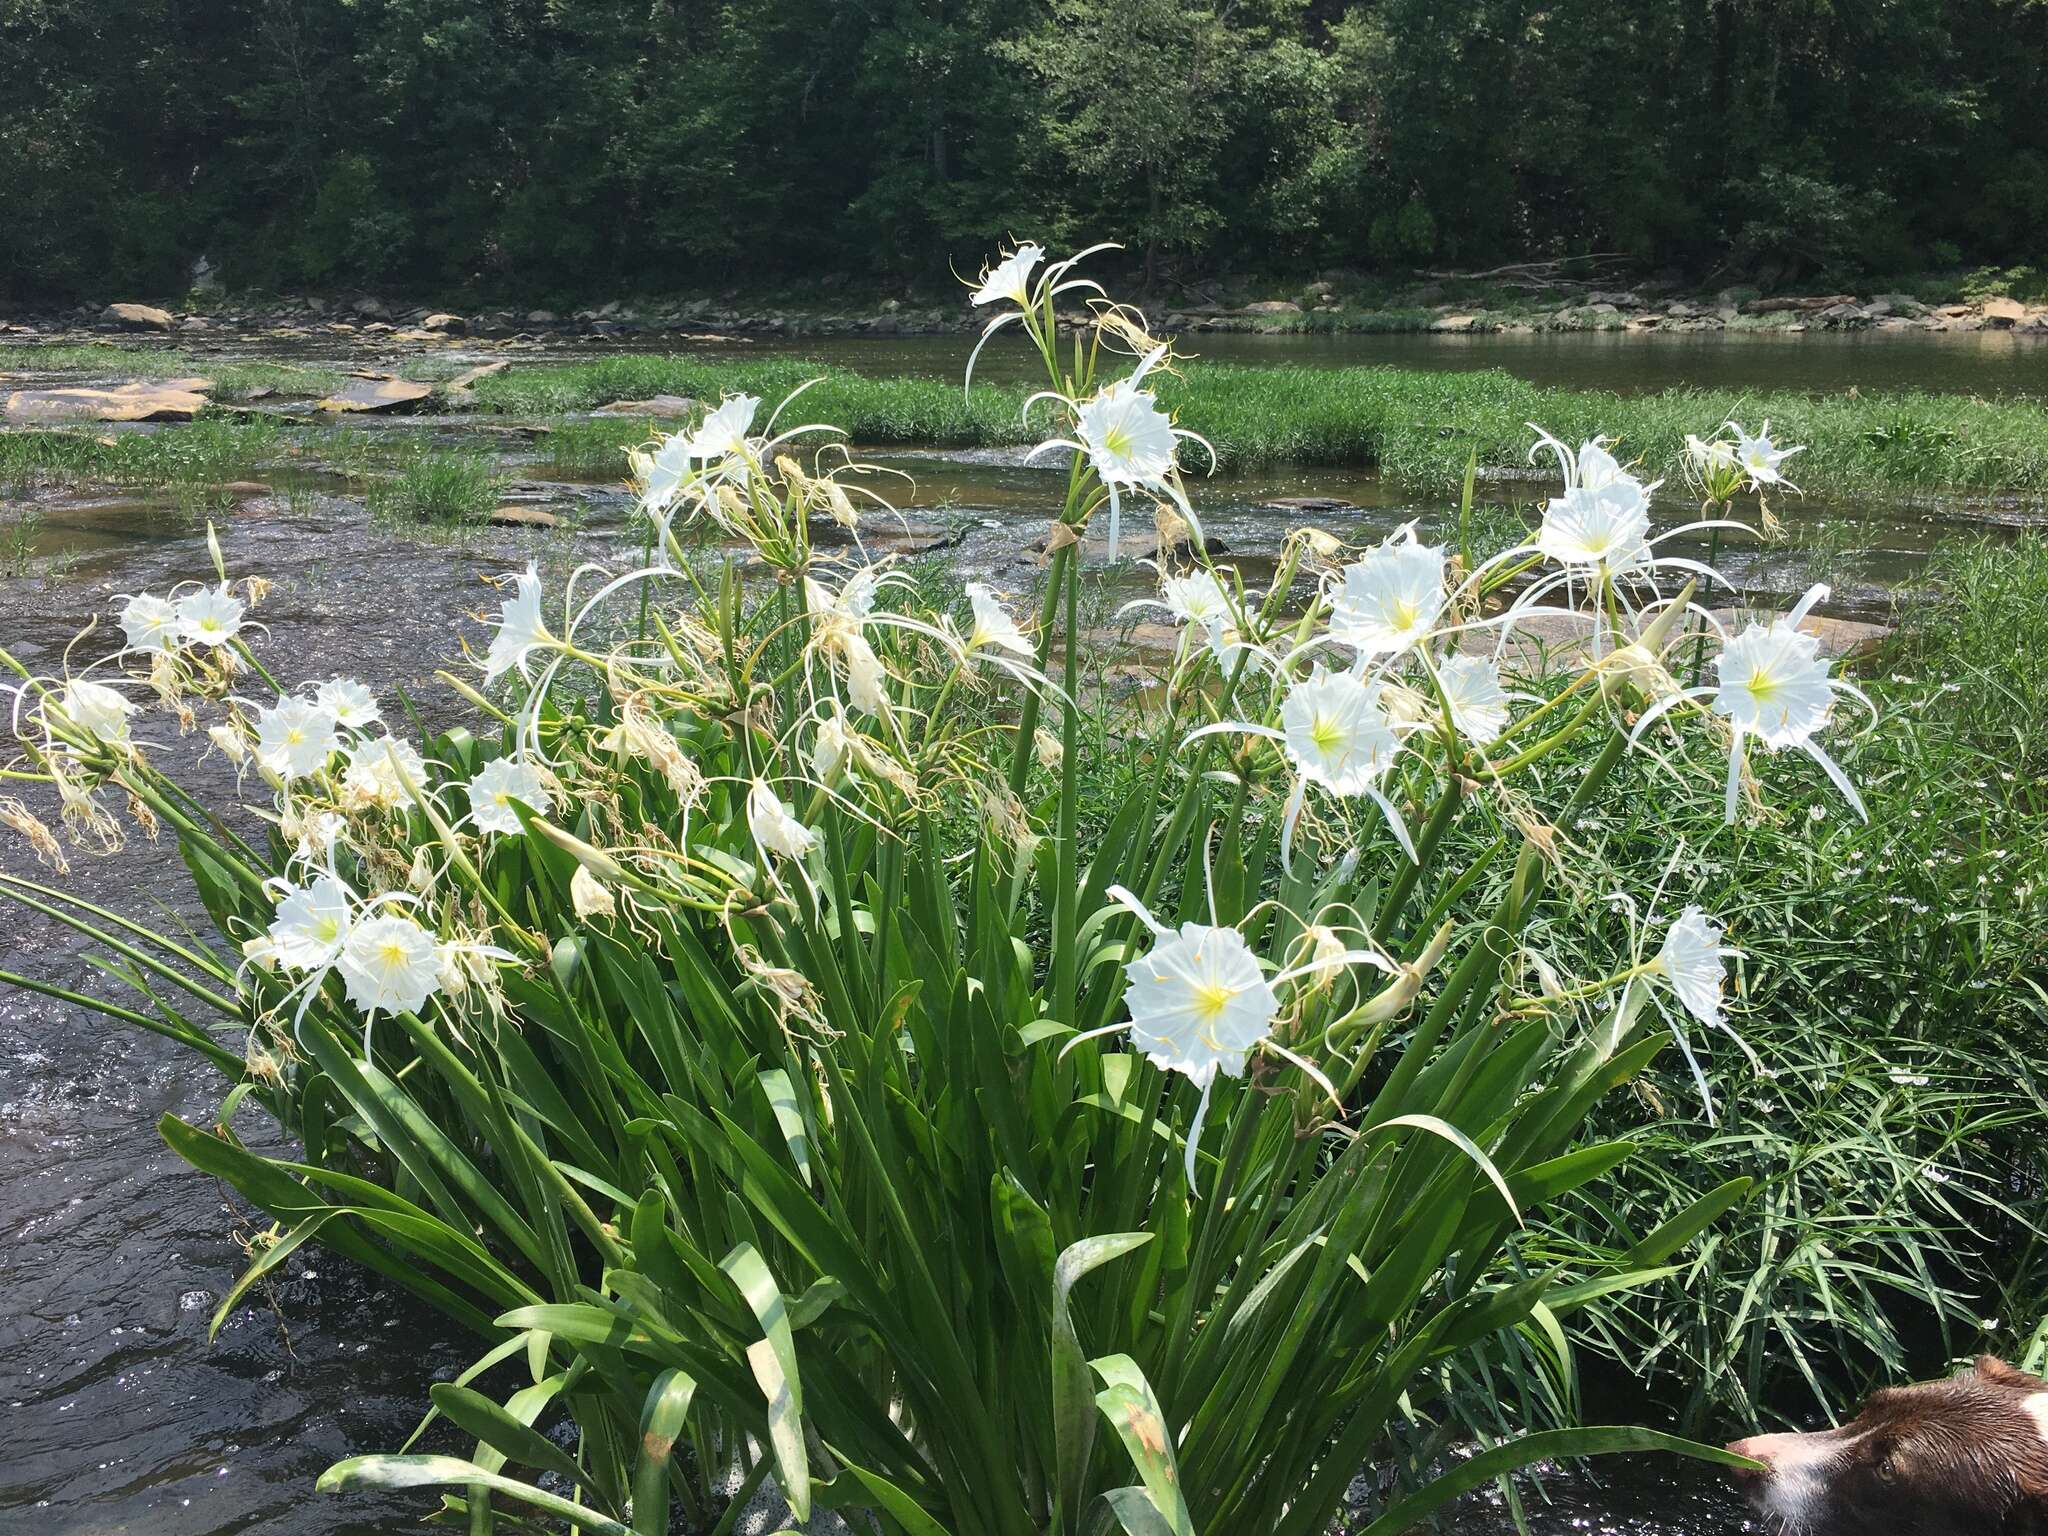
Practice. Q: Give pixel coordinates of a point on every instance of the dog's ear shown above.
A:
(1993, 1369)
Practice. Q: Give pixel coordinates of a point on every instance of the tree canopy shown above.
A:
(567, 146)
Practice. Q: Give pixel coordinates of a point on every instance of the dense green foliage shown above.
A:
(553, 146)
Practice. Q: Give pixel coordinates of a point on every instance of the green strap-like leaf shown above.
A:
(473, 1413)
(1127, 1401)
(427, 1471)
(773, 1358)
(661, 1423)
(1073, 1395)
(789, 1116)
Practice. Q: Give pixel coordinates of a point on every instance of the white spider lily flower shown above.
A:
(294, 737)
(1391, 598)
(150, 623)
(662, 473)
(1337, 735)
(97, 710)
(1760, 458)
(773, 825)
(350, 703)
(993, 625)
(1010, 278)
(1774, 689)
(1199, 1002)
(210, 616)
(500, 782)
(1593, 528)
(831, 748)
(390, 964)
(1129, 442)
(1690, 962)
(1709, 457)
(1472, 691)
(312, 925)
(387, 773)
(867, 686)
(520, 628)
(1199, 597)
(723, 432)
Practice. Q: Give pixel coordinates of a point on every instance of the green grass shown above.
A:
(1418, 426)
(436, 487)
(232, 380)
(209, 451)
(1891, 987)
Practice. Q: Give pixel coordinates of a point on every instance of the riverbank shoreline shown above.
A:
(1321, 307)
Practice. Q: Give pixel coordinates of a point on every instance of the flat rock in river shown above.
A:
(665, 407)
(169, 400)
(378, 395)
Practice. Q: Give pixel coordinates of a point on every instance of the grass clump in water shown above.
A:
(436, 487)
(209, 451)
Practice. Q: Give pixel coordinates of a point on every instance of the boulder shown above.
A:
(1273, 307)
(376, 396)
(1454, 324)
(540, 317)
(663, 407)
(135, 317)
(169, 400)
(2004, 314)
(371, 309)
(446, 325)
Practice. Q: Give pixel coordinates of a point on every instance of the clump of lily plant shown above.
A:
(731, 1024)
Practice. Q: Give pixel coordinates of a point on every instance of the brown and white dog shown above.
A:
(1962, 1457)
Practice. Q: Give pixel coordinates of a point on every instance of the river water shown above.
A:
(116, 1413)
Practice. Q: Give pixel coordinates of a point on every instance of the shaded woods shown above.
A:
(559, 147)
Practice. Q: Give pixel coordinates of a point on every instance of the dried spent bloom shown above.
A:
(589, 896)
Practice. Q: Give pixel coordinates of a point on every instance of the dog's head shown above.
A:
(1962, 1457)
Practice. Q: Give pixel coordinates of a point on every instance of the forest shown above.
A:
(566, 147)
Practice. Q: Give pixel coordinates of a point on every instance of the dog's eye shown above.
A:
(1887, 1469)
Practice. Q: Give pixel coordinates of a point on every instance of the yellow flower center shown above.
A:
(1116, 442)
(1326, 734)
(1763, 685)
(326, 930)
(1211, 998)
(1404, 613)
(391, 954)
(293, 736)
